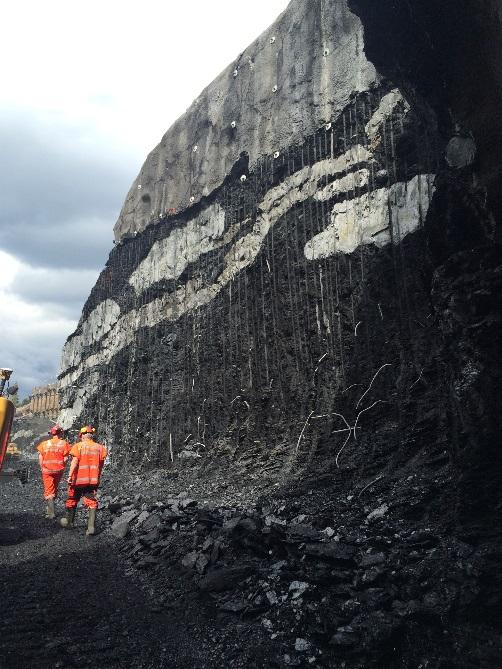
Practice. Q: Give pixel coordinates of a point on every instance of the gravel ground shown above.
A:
(199, 569)
(67, 600)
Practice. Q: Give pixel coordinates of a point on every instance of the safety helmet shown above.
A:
(87, 429)
(57, 429)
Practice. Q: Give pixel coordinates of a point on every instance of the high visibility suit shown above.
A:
(52, 457)
(85, 472)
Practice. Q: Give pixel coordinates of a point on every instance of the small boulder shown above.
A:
(223, 579)
(153, 520)
(371, 559)
(297, 588)
(187, 503)
(208, 543)
(120, 528)
(114, 507)
(129, 515)
(234, 605)
(302, 645)
(190, 559)
(332, 552)
(377, 513)
(272, 597)
(274, 520)
(142, 517)
(150, 537)
(344, 636)
(301, 533)
(188, 455)
(230, 525)
(201, 563)
(247, 525)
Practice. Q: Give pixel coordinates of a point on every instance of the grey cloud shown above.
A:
(60, 192)
(76, 243)
(61, 188)
(64, 290)
(34, 359)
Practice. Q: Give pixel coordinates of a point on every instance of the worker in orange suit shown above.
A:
(52, 457)
(88, 458)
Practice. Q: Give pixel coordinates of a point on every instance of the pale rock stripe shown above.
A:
(192, 295)
(96, 325)
(387, 105)
(368, 219)
(169, 257)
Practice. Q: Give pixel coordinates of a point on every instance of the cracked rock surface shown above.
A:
(297, 375)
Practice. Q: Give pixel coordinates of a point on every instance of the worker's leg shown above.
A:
(50, 488)
(56, 478)
(74, 495)
(90, 501)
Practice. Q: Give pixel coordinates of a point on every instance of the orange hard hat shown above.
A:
(57, 429)
(87, 429)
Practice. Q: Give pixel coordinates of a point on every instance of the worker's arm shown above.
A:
(67, 453)
(73, 470)
(102, 458)
(40, 460)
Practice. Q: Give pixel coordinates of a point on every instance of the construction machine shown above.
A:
(7, 411)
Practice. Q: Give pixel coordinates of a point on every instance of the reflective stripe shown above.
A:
(90, 456)
(54, 453)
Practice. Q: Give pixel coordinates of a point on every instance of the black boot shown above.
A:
(69, 520)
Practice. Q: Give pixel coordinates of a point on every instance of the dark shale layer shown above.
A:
(277, 332)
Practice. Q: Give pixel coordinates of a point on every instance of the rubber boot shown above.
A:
(50, 513)
(91, 529)
(69, 520)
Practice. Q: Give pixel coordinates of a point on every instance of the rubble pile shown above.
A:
(28, 431)
(370, 579)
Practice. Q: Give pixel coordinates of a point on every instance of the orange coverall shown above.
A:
(90, 457)
(52, 458)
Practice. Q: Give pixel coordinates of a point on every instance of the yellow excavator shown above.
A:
(7, 411)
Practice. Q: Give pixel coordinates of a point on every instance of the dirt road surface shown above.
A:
(66, 600)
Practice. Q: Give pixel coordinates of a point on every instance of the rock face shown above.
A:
(253, 303)
(299, 73)
(305, 301)
(308, 268)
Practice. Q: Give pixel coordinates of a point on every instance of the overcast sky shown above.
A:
(87, 90)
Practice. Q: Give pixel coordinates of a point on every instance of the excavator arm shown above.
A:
(7, 411)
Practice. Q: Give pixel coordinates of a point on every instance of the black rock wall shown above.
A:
(288, 337)
(273, 365)
(449, 54)
(327, 325)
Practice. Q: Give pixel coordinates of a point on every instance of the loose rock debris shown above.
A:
(299, 578)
